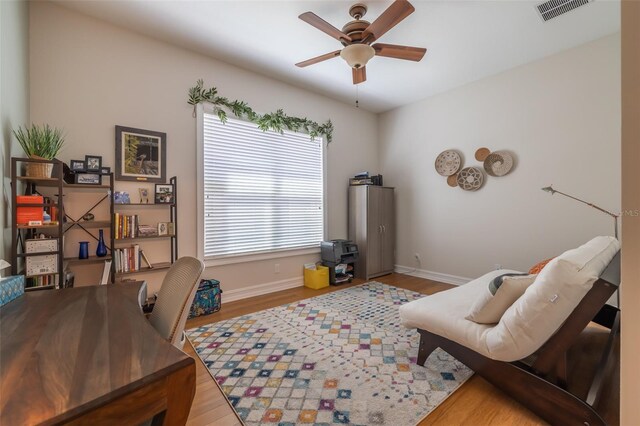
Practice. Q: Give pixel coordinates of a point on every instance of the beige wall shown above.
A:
(14, 101)
(559, 116)
(87, 76)
(629, 376)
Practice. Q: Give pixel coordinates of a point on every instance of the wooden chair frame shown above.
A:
(541, 386)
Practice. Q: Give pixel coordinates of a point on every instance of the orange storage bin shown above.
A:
(26, 214)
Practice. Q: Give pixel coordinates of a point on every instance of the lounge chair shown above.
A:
(525, 352)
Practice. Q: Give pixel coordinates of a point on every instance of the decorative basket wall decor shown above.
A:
(496, 164)
(448, 163)
(470, 178)
(482, 153)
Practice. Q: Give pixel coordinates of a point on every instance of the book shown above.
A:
(144, 257)
(106, 272)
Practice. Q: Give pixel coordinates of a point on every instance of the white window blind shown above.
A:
(263, 191)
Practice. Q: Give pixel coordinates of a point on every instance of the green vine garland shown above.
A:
(276, 121)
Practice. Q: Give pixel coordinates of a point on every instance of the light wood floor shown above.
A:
(475, 403)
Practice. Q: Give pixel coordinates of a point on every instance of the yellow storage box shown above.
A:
(316, 278)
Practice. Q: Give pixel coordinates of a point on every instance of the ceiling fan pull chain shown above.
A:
(357, 104)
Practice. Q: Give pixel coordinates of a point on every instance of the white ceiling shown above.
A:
(465, 40)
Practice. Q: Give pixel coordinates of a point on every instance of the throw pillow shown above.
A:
(535, 269)
(501, 293)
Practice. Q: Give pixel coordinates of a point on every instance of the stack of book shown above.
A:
(130, 259)
(125, 226)
(42, 281)
(364, 179)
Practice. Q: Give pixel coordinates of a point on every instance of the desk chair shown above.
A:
(175, 298)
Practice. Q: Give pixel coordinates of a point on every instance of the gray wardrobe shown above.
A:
(372, 228)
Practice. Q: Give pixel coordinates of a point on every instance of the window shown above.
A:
(262, 191)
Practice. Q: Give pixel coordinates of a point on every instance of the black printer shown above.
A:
(337, 252)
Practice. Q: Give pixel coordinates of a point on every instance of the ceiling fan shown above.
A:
(356, 37)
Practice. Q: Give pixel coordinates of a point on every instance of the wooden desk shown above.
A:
(88, 355)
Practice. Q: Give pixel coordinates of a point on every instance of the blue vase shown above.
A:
(84, 250)
(101, 251)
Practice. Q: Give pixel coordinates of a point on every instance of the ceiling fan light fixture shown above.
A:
(357, 55)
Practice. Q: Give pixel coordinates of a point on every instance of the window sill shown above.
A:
(246, 258)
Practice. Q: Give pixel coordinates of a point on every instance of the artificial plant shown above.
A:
(277, 121)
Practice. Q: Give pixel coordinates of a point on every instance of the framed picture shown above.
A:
(144, 195)
(105, 170)
(93, 163)
(164, 194)
(88, 179)
(163, 229)
(76, 165)
(121, 197)
(141, 155)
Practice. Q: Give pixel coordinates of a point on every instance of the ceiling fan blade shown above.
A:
(391, 17)
(359, 75)
(316, 21)
(318, 59)
(399, 52)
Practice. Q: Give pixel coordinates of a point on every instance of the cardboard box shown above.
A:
(26, 214)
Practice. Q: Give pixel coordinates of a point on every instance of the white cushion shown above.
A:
(444, 313)
(549, 301)
(495, 300)
(531, 320)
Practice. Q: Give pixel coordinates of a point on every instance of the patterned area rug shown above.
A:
(339, 358)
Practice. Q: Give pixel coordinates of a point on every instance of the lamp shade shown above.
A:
(357, 55)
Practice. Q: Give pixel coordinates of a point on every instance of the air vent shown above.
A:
(554, 8)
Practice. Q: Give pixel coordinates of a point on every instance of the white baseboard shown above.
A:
(272, 287)
(260, 289)
(431, 275)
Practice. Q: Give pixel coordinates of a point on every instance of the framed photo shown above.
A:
(163, 229)
(93, 163)
(121, 197)
(88, 178)
(76, 165)
(164, 194)
(141, 155)
(144, 195)
(105, 170)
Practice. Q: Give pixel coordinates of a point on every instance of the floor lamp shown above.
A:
(613, 215)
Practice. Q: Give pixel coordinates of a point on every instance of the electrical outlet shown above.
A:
(498, 266)
(276, 268)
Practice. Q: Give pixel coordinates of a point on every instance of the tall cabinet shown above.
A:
(372, 228)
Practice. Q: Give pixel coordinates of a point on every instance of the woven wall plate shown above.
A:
(470, 178)
(448, 163)
(453, 180)
(482, 153)
(498, 163)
